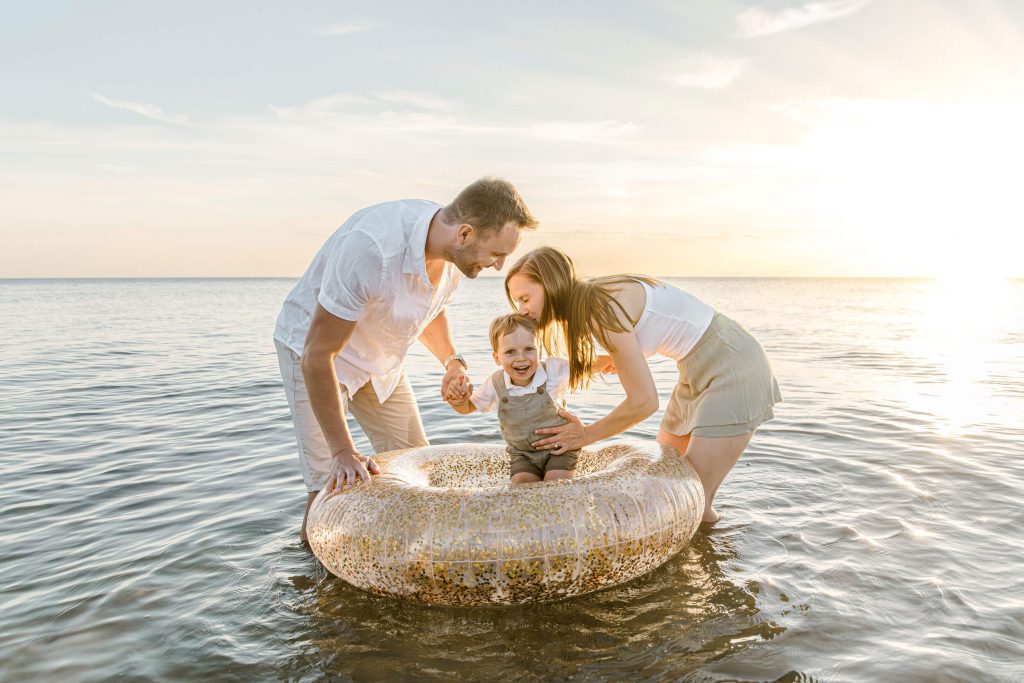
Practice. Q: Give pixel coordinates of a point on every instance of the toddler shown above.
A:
(527, 393)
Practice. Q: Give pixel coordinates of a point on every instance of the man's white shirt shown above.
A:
(372, 270)
(555, 381)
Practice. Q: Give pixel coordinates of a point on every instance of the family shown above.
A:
(383, 280)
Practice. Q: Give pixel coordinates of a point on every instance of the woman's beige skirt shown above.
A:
(726, 386)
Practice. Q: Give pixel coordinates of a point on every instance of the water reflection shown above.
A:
(150, 512)
(958, 330)
(680, 618)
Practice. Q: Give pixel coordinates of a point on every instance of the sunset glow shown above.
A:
(837, 138)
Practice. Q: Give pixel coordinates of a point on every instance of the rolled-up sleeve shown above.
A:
(353, 275)
(485, 398)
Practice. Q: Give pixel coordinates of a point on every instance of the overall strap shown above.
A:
(542, 388)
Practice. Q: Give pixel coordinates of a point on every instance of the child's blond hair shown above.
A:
(507, 324)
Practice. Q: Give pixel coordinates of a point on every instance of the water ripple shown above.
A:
(151, 501)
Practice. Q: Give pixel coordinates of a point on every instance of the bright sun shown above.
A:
(925, 190)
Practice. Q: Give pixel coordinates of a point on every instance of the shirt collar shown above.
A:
(540, 378)
(415, 261)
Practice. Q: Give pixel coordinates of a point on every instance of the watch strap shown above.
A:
(458, 357)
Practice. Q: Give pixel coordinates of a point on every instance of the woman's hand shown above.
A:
(604, 365)
(571, 436)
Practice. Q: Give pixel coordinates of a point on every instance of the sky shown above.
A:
(770, 138)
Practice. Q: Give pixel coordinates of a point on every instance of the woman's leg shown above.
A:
(524, 478)
(674, 440)
(713, 458)
(552, 475)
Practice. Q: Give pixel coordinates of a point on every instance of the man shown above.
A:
(379, 283)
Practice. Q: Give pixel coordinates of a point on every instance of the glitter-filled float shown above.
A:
(441, 524)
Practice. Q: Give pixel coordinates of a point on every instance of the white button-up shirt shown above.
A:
(372, 270)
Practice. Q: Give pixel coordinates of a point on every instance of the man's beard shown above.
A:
(464, 259)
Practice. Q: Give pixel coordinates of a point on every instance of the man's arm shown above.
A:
(327, 336)
(437, 337)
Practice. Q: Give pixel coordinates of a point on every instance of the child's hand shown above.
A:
(458, 392)
(604, 365)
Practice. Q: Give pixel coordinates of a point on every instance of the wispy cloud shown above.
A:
(709, 71)
(755, 21)
(393, 113)
(343, 29)
(597, 132)
(114, 168)
(416, 99)
(379, 102)
(150, 111)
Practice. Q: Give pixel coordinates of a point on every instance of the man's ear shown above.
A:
(464, 232)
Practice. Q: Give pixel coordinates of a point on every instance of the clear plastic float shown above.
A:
(442, 524)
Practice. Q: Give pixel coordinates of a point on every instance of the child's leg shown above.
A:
(560, 466)
(524, 470)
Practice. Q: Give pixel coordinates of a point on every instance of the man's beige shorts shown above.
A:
(389, 425)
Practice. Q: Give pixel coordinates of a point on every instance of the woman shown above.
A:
(726, 388)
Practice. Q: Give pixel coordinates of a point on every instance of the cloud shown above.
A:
(114, 168)
(387, 113)
(709, 71)
(380, 101)
(597, 132)
(150, 111)
(412, 98)
(343, 29)
(755, 21)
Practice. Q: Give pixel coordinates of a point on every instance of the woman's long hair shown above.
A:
(576, 312)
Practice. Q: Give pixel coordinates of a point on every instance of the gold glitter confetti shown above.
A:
(443, 525)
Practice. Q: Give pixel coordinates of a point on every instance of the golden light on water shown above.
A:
(958, 334)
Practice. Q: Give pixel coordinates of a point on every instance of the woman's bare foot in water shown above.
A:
(710, 516)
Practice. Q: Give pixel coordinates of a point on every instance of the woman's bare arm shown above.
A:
(640, 403)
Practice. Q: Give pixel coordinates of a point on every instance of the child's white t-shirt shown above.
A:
(555, 380)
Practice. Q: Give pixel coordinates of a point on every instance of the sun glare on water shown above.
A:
(959, 333)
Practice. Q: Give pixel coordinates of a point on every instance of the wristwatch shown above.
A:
(458, 357)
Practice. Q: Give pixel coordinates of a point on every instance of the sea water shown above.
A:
(150, 500)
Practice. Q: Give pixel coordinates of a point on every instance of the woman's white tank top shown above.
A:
(673, 321)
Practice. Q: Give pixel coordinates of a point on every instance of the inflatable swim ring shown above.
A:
(441, 524)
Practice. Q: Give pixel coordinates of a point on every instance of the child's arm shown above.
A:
(603, 365)
(458, 395)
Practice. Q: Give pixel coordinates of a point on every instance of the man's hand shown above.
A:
(455, 373)
(346, 467)
(458, 391)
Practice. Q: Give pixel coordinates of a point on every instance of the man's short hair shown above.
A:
(488, 205)
(507, 324)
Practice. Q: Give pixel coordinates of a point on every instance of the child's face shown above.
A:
(517, 355)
